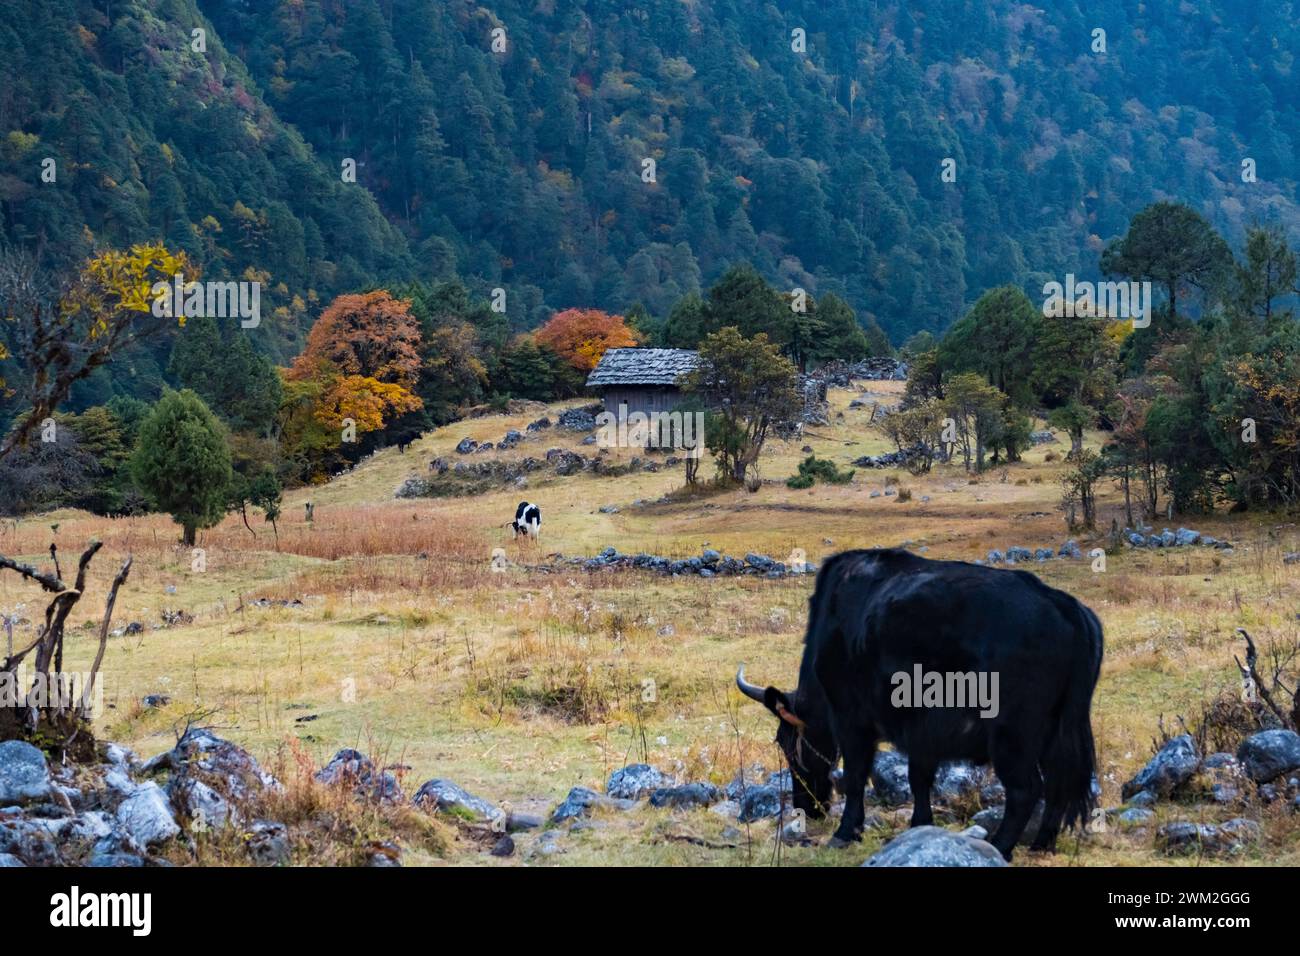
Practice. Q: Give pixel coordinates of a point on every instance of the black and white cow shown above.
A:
(528, 520)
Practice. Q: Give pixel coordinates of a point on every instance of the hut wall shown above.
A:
(641, 399)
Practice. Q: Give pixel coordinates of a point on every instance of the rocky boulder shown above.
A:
(146, 815)
(441, 794)
(1268, 754)
(635, 781)
(352, 768)
(24, 774)
(1171, 767)
(935, 846)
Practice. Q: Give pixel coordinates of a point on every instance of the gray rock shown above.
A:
(8, 860)
(466, 445)
(1169, 769)
(635, 781)
(444, 795)
(1185, 536)
(577, 804)
(24, 774)
(576, 420)
(351, 767)
(267, 843)
(688, 795)
(1221, 760)
(504, 846)
(227, 767)
(385, 854)
(1181, 838)
(889, 778)
(30, 842)
(1136, 816)
(758, 803)
(147, 817)
(955, 780)
(1143, 798)
(1269, 754)
(200, 803)
(1070, 550)
(935, 846)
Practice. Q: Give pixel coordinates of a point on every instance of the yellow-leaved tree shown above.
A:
(62, 330)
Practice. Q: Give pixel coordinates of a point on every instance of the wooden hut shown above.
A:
(645, 380)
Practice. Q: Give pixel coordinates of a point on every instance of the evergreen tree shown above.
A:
(182, 462)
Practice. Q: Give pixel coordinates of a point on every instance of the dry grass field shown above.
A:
(520, 685)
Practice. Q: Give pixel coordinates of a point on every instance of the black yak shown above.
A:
(877, 620)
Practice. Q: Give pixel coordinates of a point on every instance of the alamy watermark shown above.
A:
(50, 691)
(680, 430)
(949, 689)
(211, 299)
(1090, 300)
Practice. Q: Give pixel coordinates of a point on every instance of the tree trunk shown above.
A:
(188, 538)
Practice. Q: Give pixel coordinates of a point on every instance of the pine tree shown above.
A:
(182, 462)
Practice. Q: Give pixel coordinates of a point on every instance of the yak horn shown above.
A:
(749, 690)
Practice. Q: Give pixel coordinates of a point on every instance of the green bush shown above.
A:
(813, 469)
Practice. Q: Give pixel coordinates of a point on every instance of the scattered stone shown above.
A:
(439, 794)
(1136, 816)
(204, 807)
(758, 803)
(153, 701)
(935, 846)
(889, 778)
(384, 854)
(465, 446)
(267, 843)
(147, 817)
(504, 846)
(352, 768)
(577, 804)
(1268, 754)
(1168, 770)
(1232, 837)
(635, 781)
(24, 774)
(955, 780)
(577, 419)
(688, 795)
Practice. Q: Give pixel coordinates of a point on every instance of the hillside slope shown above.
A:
(526, 168)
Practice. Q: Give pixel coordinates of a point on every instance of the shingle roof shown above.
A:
(643, 367)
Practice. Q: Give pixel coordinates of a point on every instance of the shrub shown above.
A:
(813, 469)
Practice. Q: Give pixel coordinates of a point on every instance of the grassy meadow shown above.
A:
(385, 628)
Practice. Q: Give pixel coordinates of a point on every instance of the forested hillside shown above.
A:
(526, 169)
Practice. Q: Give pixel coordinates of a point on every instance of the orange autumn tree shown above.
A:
(581, 336)
(364, 354)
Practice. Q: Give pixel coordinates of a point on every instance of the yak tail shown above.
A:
(1071, 760)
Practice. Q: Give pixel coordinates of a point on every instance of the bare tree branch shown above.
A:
(103, 633)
